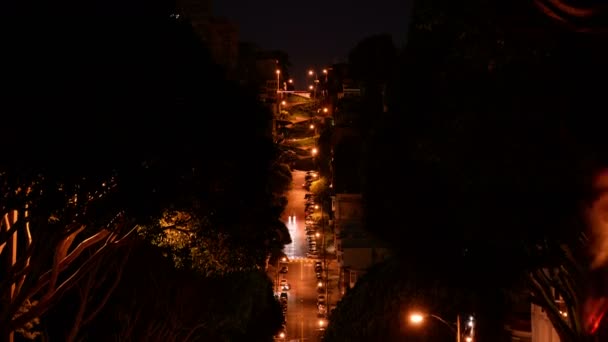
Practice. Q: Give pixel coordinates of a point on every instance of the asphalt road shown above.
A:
(302, 320)
(295, 208)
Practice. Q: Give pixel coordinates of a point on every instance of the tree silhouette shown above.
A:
(128, 104)
(489, 159)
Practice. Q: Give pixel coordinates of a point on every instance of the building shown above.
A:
(356, 250)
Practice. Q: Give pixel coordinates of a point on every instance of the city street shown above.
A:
(295, 208)
(302, 321)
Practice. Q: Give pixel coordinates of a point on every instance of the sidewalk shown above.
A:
(333, 292)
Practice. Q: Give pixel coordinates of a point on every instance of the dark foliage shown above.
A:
(488, 145)
(157, 302)
(379, 306)
(475, 161)
(126, 91)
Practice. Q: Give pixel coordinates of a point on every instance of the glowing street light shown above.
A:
(418, 318)
(283, 102)
(325, 110)
(314, 151)
(311, 87)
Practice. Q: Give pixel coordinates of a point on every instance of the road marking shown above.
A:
(302, 259)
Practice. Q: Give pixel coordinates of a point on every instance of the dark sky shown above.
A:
(314, 32)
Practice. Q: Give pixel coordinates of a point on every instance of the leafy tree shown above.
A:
(55, 231)
(372, 60)
(187, 306)
(395, 297)
(320, 188)
(136, 156)
(477, 161)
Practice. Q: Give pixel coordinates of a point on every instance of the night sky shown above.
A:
(314, 32)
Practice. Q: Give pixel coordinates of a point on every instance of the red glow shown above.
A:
(595, 310)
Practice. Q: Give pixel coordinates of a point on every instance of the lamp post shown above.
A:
(418, 318)
(278, 72)
(315, 80)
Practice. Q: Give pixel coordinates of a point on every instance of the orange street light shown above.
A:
(416, 318)
(325, 71)
(310, 72)
(290, 80)
(311, 87)
(314, 151)
(325, 110)
(278, 71)
(283, 103)
(312, 126)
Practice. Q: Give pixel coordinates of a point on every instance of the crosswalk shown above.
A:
(302, 259)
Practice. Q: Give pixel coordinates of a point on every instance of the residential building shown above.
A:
(356, 249)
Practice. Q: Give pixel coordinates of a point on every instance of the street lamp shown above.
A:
(278, 72)
(314, 151)
(418, 318)
(314, 81)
